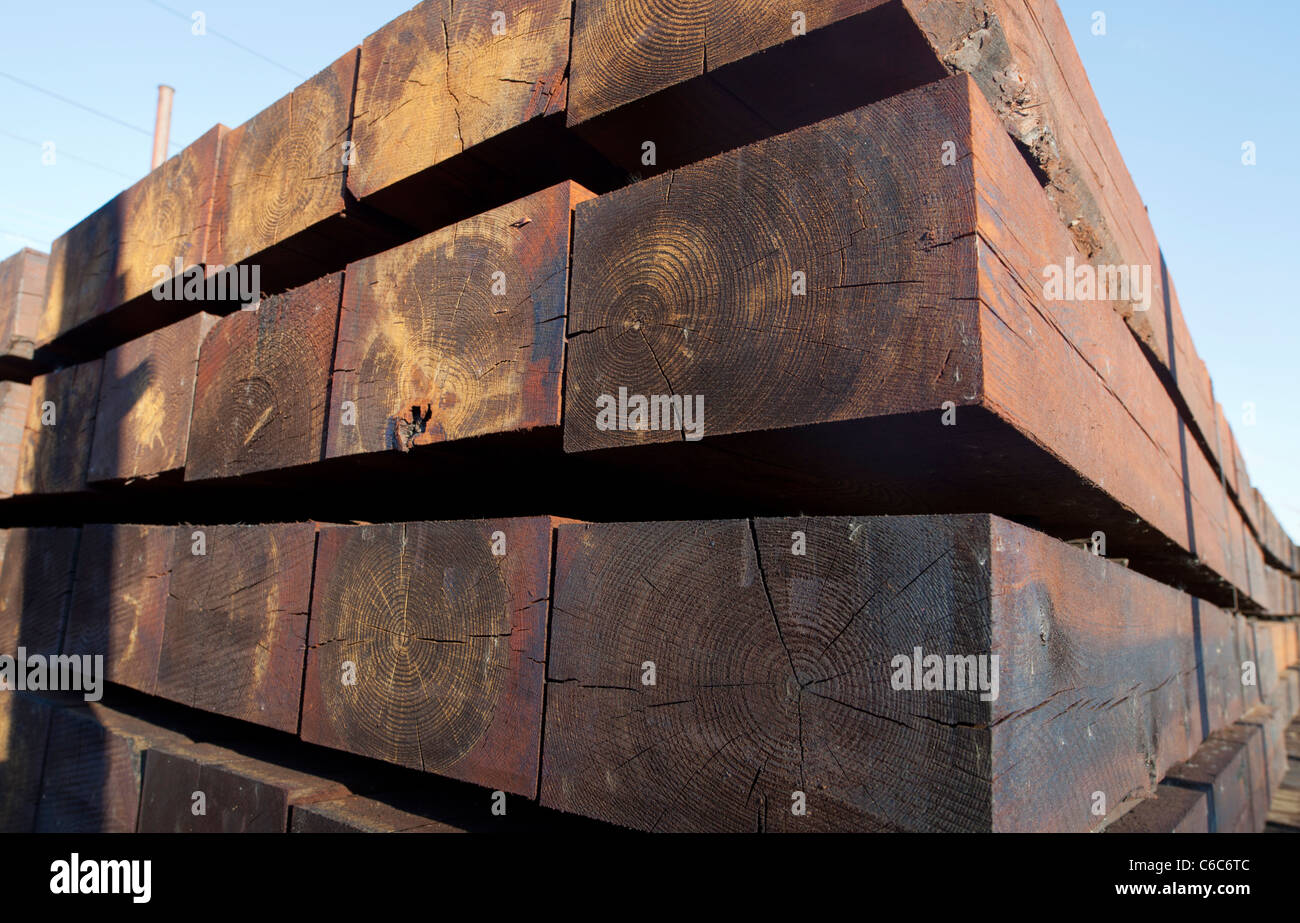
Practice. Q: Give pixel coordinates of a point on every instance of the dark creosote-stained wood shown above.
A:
(22, 299)
(356, 814)
(24, 725)
(35, 586)
(457, 334)
(776, 672)
(94, 770)
(119, 599)
(110, 257)
(236, 621)
(461, 105)
(1230, 769)
(200, 788)
(146, 397)
(1171, 809)
(14, 400)
(921, 291)
(263, 382)
(427, 649)
(55, 454)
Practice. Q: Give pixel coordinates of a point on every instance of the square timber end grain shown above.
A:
(55, 454)
(236, 621)
(15, 398)
(263, 382)
(884, 673)
(22, 299)
(459, 333)
(119, 599)
(146, 398)
(444, 79)
(428, 646)
(109, 258)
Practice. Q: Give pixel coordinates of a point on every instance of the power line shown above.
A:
(58, 153)
(72, 102)
(227, 38)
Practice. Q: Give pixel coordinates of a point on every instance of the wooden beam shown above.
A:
(24, 725)
(1229, 769)
(357, 814)
(55, 454)
(775, 672)
(263, 383)
(437, 665)
(15, 398)
(120, 598)
(924, 291)
(457, 334)
(236, 621)
(107, 261)
(1171, 809)
(35, 586)
(22, 299)
(94, 770)
(146, 399)
(460, 107)
(238, 794)
(280, 201)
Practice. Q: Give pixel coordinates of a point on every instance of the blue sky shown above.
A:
(1182, 82)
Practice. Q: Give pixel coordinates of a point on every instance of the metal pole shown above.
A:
(162, 125)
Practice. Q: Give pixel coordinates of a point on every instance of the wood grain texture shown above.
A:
(22, 299)
(774, 675)
(24, 725)
(120, 597)
(357, 814)
(35, 587)
(146, 399)
(55, 456)
(448, 642)
(282, 171)
(427, 349)
(240, 794)
(94, 770)
(923, 286)
(109, 258)
(236, 621)
(263, 383)
(1229, 769)
(1172, 809)
(15, 398)
(437, 81)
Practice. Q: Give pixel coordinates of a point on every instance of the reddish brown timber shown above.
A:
(698, 77)
(1284, 809)
(357, 814)
(236, 621)
(22, 298)
(24, 725)
(104, 269)
(94, 769)
(15, 397)
(835, 305)
(146, 398)
(281, 203)
(200, 788)
(1172, 809)
(55, 454)
(702, 674)
(428, 646)
(1230, 769)
(119, 599)
(457, 334)
(35, 585)
(263, 383)
(460, 107)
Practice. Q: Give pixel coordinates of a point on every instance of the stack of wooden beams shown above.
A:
(662, 417)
